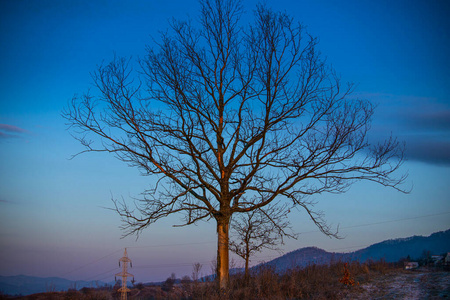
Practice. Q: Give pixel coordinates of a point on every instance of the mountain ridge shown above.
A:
(391, 250)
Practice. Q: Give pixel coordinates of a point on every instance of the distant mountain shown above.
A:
(393, 250)
(26, 285)
(303, 257)
(389, 250)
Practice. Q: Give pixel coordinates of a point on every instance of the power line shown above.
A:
(90, 263)
(146, 266)
(211, 242)
(133, 247)
(314, 231)
(383, 222)
(351, 247)
(398, 220)
(172, 245)
(182, 264)
(109, 271)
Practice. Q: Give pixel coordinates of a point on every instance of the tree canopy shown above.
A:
(227, 117)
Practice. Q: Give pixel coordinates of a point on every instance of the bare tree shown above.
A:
(196, 271)
(228, 118)
(259, 229)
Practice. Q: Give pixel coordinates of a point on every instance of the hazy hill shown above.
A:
(26, 285)
(304, 257)
(390, 250)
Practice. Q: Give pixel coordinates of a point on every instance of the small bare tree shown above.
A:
(196, 271)
(228, 118)
(259, 229)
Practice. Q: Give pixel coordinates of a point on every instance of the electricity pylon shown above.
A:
(124, 274)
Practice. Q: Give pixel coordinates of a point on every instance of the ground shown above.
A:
(385, 283)
(416, 284)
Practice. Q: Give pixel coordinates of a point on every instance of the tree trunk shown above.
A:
(222, 253)
(247, 273)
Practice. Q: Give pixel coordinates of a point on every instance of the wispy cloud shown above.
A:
(10, 131)
(437, 120)
(12, 128)
(427, 133)
(5, 201)
(422, 123)
(429, 150)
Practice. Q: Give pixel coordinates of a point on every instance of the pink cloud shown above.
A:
(12, 128)
(10, 131)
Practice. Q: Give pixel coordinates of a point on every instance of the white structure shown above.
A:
(124, 274)
(447, 259)
(411, 265)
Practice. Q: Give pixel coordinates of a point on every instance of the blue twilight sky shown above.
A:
(52, 220)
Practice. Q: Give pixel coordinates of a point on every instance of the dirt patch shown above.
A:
(406, 285)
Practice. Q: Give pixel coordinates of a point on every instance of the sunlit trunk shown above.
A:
(222, 254)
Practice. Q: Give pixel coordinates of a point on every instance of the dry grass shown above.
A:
(313, 282)
(376, 280)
